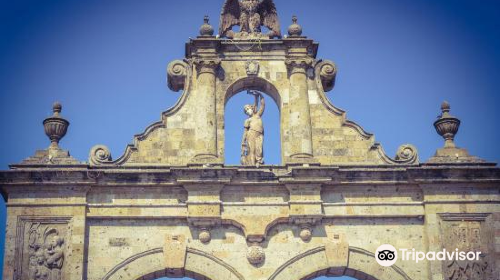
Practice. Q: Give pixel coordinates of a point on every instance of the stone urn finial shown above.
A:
(447, 125)
(55, 126)
(206, 30)
(294, 30)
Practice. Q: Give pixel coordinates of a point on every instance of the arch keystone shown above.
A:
(337, 253)
(174, 253)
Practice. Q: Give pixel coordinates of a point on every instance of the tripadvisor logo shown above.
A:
(387, 255)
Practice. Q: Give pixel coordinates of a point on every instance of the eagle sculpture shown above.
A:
(250, 15)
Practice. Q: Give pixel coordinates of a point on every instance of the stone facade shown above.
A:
(312, 129)
(169, 206)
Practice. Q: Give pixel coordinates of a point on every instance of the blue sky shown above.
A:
(106, 62)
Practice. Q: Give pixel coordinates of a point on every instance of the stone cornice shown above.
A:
(246, 47)
(424, 176)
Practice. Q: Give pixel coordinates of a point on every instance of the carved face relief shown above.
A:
(41, 248)
(249, 110)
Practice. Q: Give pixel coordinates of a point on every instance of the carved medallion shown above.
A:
(252, 67)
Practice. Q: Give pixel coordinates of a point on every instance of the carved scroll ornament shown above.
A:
(177, 72)
(327, 71)
(99, 155)
(407, 154)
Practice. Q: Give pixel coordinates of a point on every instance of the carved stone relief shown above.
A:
(467, 233)
(40, 248)
(252, 67)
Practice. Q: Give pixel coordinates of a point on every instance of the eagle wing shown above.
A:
(229, 17)
(269, 16)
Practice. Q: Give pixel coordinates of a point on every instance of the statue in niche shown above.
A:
(250, 15)
(252, 151)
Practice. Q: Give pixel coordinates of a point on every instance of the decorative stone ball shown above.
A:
(294, 30)
(57, 107)
(256, 255)
(206, 29)
(205, 236)
(445, 106)
(305, 234)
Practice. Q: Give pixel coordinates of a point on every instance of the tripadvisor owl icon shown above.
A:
(386, 255)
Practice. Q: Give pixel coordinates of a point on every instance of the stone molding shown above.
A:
(424, 176)
(472, 217)
(156, 251)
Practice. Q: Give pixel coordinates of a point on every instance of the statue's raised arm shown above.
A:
(262, 105)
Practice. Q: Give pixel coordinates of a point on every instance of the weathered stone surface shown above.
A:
(121, 218)
(169, 207)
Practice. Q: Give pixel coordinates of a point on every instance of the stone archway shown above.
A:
(253, 83)
(150, 265)
(313, 263)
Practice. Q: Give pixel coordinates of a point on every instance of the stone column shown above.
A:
(206, 120)
(301, 150)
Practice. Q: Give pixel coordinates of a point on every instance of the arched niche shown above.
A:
(271, 95)
(313, 263)
(253, 83)
(149, 265)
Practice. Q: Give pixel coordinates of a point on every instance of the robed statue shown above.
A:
(250, 15)
(252, 152)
